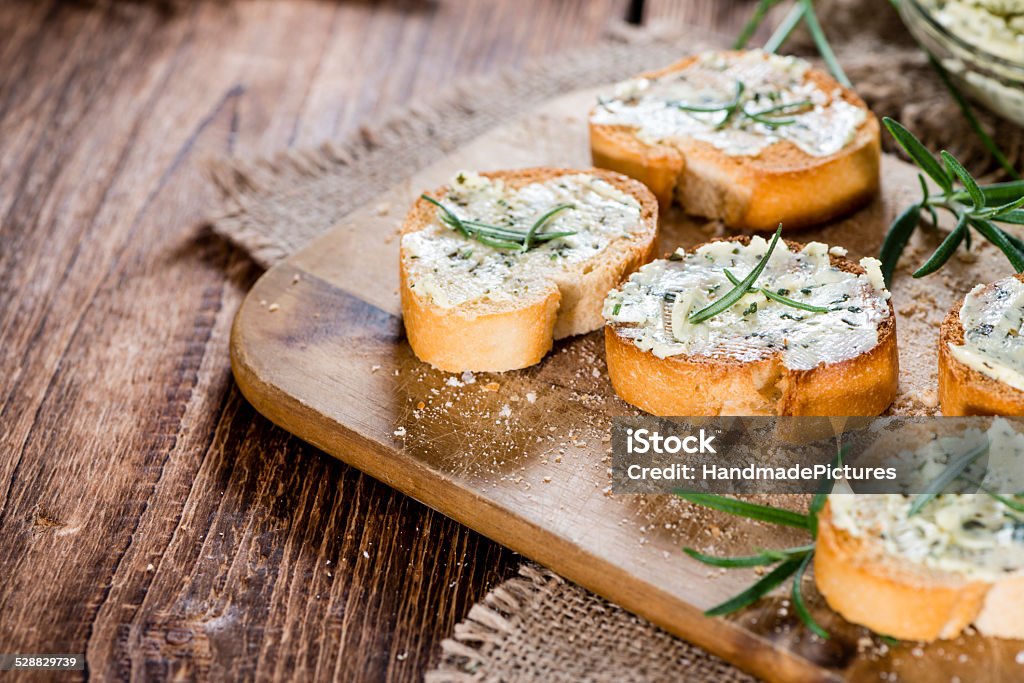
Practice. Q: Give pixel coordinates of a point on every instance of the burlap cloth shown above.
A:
(538, 626)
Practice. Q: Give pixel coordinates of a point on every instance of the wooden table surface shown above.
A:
(149, 517)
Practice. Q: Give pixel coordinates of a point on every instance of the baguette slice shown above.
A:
(539, 296)
(963, 390)
(754, 192)
(720, 383)
(897, 597)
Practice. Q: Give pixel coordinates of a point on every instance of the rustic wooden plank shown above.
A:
(725, 16)
(147, 515)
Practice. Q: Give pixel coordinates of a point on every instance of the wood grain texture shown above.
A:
(727, 17)
(318, 347)
(148, 516)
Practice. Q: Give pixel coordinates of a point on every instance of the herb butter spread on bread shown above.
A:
(981, 352)
(738, 102)
(749, 137)
(813, 335)
(992, 317)
(970, 534)
(495, 266)
(927, 575)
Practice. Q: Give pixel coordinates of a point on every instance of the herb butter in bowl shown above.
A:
(980, 43)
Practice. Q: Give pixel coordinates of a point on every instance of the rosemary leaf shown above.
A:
(924, 189)
(824, 489)
(1013, 240)
(774, 296)
(781, 35)
(516, 235)
(781, 108)
(997, 192)
(447, 216)
(500, 237)
(734, 108)
(758, 590)
(896, 240)
(737, 292)
(539, 223)
(800, 605)
(759, 560)
(920, 155)
(1001, 240)
(771, 123)
(945, 250)
(699, 109)
(973, 190)
(998, 212)
(821, 42)
(1012, 504)
(740, 508)
(760, 12)
(1015, 217)
(939, 484)
(495, 243)
(495, 229)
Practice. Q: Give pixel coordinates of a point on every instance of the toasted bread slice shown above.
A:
(753, 191)
(752, 371)
(965, 390)
(470, 306)
(893, 595)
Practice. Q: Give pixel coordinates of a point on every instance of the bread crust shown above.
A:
(962, 389)
(890, 597)
(495, 337)
(783, 183)
(696, 385)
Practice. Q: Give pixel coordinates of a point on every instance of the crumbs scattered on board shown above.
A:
(496, 428)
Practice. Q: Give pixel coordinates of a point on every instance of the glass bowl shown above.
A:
(983, 65)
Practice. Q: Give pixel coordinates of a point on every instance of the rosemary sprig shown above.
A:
(973, 205)
(775, 296)
(539, 223)
(735, 109)
(1010, 502)
(798, 599)
(499, 237)
(740, 508)
(762, 558)
(759, 589)
(792, 562)
(802, 11)
(737, 292)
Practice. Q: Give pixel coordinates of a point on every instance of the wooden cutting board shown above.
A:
(523, 457)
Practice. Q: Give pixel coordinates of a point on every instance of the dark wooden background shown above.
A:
(148, 516)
